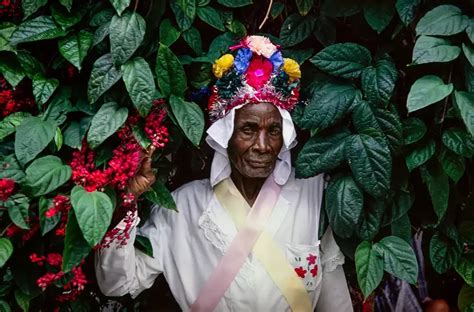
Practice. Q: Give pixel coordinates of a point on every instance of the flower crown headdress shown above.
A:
(258, 73)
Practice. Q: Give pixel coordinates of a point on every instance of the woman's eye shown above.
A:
(275, 131)
(247, 130)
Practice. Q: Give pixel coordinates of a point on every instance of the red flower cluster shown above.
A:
(154, 128)
(13, 100)
(61, 205)
(9, 8)
(6, 189)
(13, 230)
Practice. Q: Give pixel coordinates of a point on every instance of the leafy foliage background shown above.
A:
(388, 112)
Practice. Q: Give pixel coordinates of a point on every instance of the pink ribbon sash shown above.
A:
(239, 249)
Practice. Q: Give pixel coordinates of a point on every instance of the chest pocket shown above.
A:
(306, 262)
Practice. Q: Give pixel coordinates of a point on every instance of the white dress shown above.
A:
(188, 245)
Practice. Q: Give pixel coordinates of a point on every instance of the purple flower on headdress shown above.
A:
(277, 61)
(242, 60)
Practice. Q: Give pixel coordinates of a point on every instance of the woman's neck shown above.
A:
(248, 187)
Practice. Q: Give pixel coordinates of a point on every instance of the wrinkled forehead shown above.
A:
(258, 113)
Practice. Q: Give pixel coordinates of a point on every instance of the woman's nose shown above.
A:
(262, 145)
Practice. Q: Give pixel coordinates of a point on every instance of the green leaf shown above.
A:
(58, 108)
(76, 131)
(466, 298)
(211, 16)
(370, 219)
(402, 228)
(76, 247)
(431, 49)
(407, 10)
(39, 28)
(220, 45)
(438, 186)
(378, 82)
(47, 223)
(300, 56)
(67, 19)
(6, 30)
(106, 122)
(465, 268)
(8, 124)
(184, 18)
(126, 34)
(29, 63)
(4, 306)
(18, 205)
(102, 17)
(43, 88)
(329, 102)
(399, 258)
(420, 155)
(11, 69)
(93, 211)
(443, 20)
(238, 28)
(369, 267)
(31, 137)
(67, 4)
(470, 30)
(325, 30)
(22, 299)
(321, 154)
(468, 52)
(344, 203)
(6, 250)
(10, 169)
(139, 82)
(427, 90)
(346, 60)
(234, 3)
(74, 47)
(296, 28)
(31, 6)
(46, 174)
(141, 136)
(277, 9)
(100, 34)
(193, 39)
(103, 76)
(378, 14)
(144, 245)
(168, 33)
(453, 165)
(444, 252)
(459, 141)
(160, 195)
(466, 230)
(391, 126)
(120, 5)
(371, 163)
(170, 73)
(465, 103)
(413, 130)
(304, 6)
(190, 118)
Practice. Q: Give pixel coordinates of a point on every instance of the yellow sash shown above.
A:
(266, 250)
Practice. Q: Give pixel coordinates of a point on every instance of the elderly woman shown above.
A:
(246, 239)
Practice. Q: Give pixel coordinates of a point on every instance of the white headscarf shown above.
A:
(220, 132)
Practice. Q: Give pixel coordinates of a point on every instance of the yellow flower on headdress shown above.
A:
(292, 69)
(222, 65)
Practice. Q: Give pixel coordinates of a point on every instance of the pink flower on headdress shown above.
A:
(260, 45)
(258, 72)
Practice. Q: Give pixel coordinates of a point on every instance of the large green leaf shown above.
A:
(296, 28)
(4, 306)
(47, 223)
(43, 88)
(22, 299)
(391, 126)
(67, 19)
(431, 49)
(402, 228)
(344, 203)
(468, 53)
(329, 102)
(18, 205)
(100, 33)
(399, 258)
(211, 16)
(465, 104)
(304, 6)
(370, 219)
(74, 47)
(184, 12)
(346, 60)
(234, 3)
(106, 122)
(170, 73)
(93, 211)
(139, 82)
(444, 252)
(453, 164)
(325, 30)
(378, 81)
(378, 14)
(168, 33)
(438, 186)
(407, 10)
(161, 196)
(46, 174)
(58, 108)
(10, 169)
(420, 155)
(76, 247)
(39, 28)
(466, 298)
(76, 131)
(426, 91)
(369, 267)
(413, 130)
(31, 137)
(443, 20)
(30, 64)
(126, 34)
(193, 39)
(190, 118)
(459, 141)
(371, 163)
(103, 76)
(321, 154)
(8, 124)
(6, 30)
(6, 250)
(465, 268)
(31, 6)
(120, 5)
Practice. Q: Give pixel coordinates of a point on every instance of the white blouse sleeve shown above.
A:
(124, 269)
(334, 294)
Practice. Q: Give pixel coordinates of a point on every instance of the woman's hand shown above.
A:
(145, 177)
